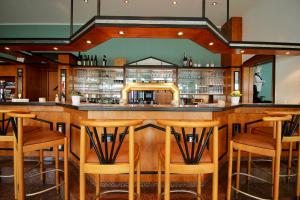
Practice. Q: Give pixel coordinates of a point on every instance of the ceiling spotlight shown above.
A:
(214, 3)
(242, 51)
(89, 42)
(6, 48)
(126, 1)
(174, 2)
(211, 43)
(85, 1)
(121, 32)
(55, 48)
(180, 33)
(287, 53)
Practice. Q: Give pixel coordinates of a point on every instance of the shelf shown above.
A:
(98, 67)
(201, 94)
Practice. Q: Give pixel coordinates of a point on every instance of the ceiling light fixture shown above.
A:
(211, 43)
(121, 32)
(242, 51)
(180, 33)
(89, 42)
(6, 48)
(126, 1)
(174, 2)
(55, 48)
(287, 53)
(85, 1)
(214, 3)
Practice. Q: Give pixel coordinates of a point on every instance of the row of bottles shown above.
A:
(187, 62)
(90, 60)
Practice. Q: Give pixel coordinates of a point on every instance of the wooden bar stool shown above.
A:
(7, 135)
(110, 154)
(261, 145)
(189, 154)
(290, 135)
(36, 140)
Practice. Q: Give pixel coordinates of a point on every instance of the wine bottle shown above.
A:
(190, 62)
(88, 60)
(84, 61)
(104, 60)
(95, 61)
(79, 59)
(92, 61)
(185, 61)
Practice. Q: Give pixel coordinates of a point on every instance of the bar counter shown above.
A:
(233, 120)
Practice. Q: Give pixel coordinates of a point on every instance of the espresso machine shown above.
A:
(2, 90)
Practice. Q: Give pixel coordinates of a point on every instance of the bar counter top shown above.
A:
(140, 107)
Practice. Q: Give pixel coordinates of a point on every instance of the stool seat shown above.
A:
(26, 129)
(176, 156)
(122, 156)
(263, 130)
(259, 141)
(41, 136)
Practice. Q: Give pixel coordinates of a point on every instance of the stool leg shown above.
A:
(276, 177)
(66, 169)
(199, 186)
(298, 173)
(159, 178)
(139, 179)
(229, 171)
(20, 163)
(41, 152)
(249, 165)
(15, 171)
(238, 169)
(98, 186)
(56, 154)
(167, 163)
(290, 161)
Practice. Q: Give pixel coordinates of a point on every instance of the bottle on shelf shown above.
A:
(92, 61)
(84, 61)
(79, 59)
(190, 62)
(104, 60)
(185, 60)
(88, 61)
(95, 61)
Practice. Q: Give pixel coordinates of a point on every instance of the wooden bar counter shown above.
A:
(233, 119)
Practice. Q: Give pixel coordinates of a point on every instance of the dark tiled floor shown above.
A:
(287, 191)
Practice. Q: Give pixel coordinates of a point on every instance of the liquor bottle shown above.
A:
(88, 61)
(185, 61)
(92, 61)
(190, 62)
(79, 59)
(84, 60)
(104, 60)
(95, 61)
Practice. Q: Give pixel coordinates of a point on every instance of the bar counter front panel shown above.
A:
(233, 120)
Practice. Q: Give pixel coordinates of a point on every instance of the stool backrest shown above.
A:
(107, 136)
(192, 144)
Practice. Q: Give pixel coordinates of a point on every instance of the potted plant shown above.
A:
(235, 97)
(75, 98)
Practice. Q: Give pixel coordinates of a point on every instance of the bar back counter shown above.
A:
(66, 118)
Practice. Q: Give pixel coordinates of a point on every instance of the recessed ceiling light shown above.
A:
(121, 32)
(211, 43)
(287, 53)
(174, 2)
(55, 48)
(86, 1)
(6, 48)
(180, 33)
(214, 3)
(242, 51)
(89, 42)
(126, 1)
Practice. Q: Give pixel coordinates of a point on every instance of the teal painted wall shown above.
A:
(36, 31)
(171, 50)
(266, 70)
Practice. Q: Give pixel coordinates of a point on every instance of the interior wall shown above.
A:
(287, 81)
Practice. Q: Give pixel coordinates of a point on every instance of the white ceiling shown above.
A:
(58, 11)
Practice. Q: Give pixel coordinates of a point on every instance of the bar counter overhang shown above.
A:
(233, 119)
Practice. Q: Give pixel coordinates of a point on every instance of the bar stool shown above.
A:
(184, 157)
(110, 154)
(36, 140)
(261, 145)
(7, 135)
(290, 136)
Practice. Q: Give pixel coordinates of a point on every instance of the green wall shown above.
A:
(171, 50)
